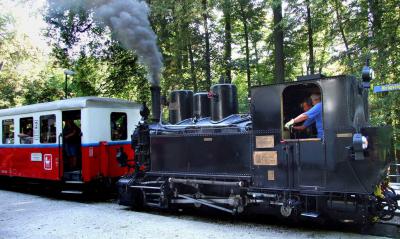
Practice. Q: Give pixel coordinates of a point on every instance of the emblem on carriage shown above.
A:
(47, 162)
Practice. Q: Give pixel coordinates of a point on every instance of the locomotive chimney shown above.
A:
(155, 102)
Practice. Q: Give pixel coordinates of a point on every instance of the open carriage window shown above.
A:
(8, 131)
(48, 129)
(302, 102)
(118, 126)
(26, 130)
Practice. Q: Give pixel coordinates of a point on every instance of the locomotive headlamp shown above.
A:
(360, 143)
(364, 142)
(367, 75)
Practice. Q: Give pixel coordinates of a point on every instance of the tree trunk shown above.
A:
(278, 42)
(311, 63)
(341, 29)
(246, 38)
(207, 40)
(185, 41)
(192, 67)
(378, 41)
(257, 60)
(228, 41)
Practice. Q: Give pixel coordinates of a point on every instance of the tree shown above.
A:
(227, 7)
(311, 64)
(207, 53)
(103, 66)
(278, 41)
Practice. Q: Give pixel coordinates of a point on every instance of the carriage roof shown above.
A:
(70, 104)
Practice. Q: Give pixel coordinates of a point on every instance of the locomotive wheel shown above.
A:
(137, 199)
(286, 211)
(387, 209)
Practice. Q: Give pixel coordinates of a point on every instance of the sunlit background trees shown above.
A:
(246, 42)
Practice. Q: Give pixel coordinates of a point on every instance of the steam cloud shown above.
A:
(128, 20)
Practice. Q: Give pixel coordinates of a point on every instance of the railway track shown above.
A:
(386, 229)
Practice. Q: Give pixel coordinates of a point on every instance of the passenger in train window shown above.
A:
(118, 126)
(8, 139)
(314, 115)
(48, 129)
(27, 137)
(72, 141)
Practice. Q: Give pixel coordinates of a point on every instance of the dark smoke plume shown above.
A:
(129, 21)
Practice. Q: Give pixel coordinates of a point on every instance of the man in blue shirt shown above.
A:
(308, 128)
(312, 115)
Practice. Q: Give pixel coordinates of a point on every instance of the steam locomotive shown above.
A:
(209, 155)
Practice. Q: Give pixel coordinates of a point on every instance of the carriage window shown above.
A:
(297, 100)
(8, 131)
(48, 129)
(118, 126)
(26, 130)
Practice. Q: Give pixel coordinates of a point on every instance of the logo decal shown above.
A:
(48, 162)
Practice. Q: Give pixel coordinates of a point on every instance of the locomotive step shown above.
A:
(71, 192)
(73, 182)
(73, 176)
(310, 214)
(153, 204)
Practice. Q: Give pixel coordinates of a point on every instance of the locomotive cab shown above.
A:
(295, 101)
(328, 163)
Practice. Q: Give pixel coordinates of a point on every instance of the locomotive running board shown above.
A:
(204, 202)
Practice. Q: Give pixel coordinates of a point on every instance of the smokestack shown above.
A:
(155, 103)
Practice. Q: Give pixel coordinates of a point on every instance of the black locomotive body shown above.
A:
(235, 162)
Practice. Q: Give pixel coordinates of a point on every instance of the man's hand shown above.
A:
(290, 123)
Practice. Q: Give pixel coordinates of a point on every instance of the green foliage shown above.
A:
(344, 33)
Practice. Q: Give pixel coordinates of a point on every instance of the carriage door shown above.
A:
(71, 146)
(311, 164)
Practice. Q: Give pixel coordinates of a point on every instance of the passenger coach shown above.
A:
(32, 139)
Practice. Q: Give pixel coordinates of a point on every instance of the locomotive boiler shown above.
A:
(211, 156)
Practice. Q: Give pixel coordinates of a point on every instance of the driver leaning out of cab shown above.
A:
(310, 116)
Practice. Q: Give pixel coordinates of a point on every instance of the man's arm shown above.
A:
(298, 119)
(300, 128)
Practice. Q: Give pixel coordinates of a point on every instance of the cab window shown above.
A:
(48, 129)
(296, 100)
(26, 130)
(118, 126)
(8, 131)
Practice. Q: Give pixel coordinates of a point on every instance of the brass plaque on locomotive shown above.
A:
(271, 175)
(265, 158)
(344, 135)
(265, 141)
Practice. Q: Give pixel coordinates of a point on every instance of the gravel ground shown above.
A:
(35, 216)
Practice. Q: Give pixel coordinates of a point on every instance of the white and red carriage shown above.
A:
(31, 144)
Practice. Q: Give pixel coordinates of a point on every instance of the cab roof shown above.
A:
(71, 104)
